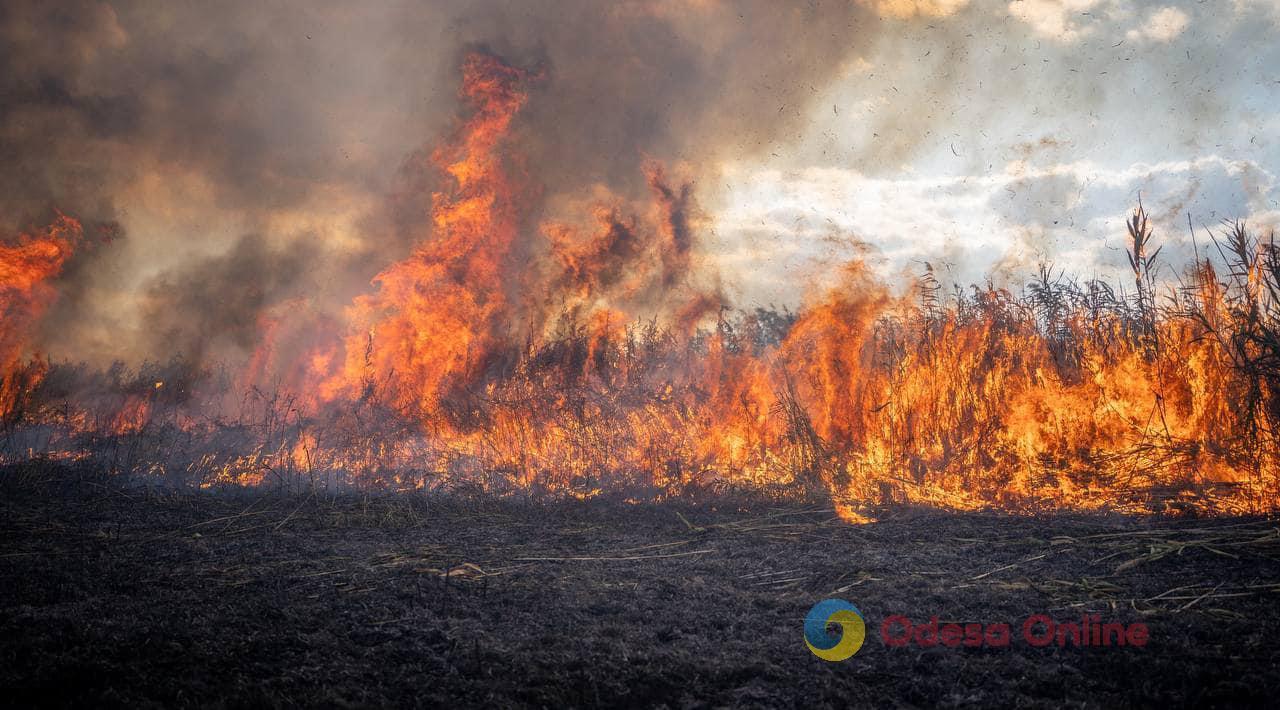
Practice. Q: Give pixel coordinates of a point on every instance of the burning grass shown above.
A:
(581, 357)
(1064, 395)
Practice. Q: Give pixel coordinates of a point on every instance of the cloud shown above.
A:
(907, 9)
(1162, 25)
(1269, 7)
(783, 228)
(1061, 20)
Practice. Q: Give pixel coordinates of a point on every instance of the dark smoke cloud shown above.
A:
(212, 307)
(186, 125)
(670, 80)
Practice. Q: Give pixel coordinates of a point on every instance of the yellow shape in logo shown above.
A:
(853, 631)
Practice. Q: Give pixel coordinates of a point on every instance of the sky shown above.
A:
(987, 138)
(249, 156)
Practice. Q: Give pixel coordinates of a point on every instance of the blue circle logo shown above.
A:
(834, 646)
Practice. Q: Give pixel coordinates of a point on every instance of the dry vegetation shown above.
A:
(1065, 394)
(511, 357)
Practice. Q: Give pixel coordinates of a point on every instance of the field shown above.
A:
(115, 596)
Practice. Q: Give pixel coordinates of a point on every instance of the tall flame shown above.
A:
(25, 269)
(439, 316)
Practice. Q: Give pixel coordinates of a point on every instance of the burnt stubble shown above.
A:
(117, 596)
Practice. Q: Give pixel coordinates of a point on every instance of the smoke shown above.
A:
(203, 307)
(253, 153)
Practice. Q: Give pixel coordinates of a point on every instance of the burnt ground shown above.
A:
(114, 596)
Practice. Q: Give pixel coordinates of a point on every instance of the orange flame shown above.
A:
(439, 316)
(580, 355)
(25, 269)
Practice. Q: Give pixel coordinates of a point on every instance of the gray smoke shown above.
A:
(208, 131)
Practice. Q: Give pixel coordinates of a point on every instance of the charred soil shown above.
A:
(123, 596)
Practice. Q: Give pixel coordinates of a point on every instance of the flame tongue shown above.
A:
(439, 315)
(25, 269)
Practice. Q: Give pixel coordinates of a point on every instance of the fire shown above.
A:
(132, 415)
(440, 316)
(584, 353)
(25, 269)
